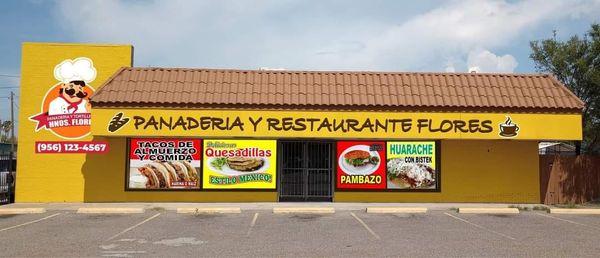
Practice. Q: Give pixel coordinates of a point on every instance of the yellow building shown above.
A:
(207, 135)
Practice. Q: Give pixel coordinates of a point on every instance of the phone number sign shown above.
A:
(71, 147)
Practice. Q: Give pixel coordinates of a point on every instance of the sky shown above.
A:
(437, 36)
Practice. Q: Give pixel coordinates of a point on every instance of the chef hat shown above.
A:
(80, 69)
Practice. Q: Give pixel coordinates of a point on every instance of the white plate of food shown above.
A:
(405, 175)
(236, 166)
(137, 180)
(162, 174)
(359, 160)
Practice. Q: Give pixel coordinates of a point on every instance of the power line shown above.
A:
(9, 87)
(8, 75)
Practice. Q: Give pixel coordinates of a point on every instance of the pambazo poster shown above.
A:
(361, 165)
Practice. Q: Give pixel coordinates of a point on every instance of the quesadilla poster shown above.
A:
(360, 165)
(164, 164)
(239, 164)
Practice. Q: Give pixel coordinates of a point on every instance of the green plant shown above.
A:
(569, 205)
(159, 209)
(521, 208)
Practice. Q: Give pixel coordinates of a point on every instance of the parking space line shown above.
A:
(252, 224)
(124, 252)
(120, 253)
(30, 222)
(568, 221)
(134, 226)
(480, 227)
(365, 225)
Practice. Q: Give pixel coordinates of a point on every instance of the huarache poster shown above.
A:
(239, 164)
(411, 165)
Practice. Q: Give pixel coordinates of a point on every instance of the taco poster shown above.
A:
(411, 165)
(361, 165)
(164, 164)
(239, 164)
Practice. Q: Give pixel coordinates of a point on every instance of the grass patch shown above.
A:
(540, 208)
(570, 205)
(159, 209)
(592, 204)
(520, 208)
(306, 217)
(453, 209)
(207, 215)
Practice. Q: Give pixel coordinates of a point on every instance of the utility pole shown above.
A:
(12, 131)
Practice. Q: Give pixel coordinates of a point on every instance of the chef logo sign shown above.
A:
(65, 110)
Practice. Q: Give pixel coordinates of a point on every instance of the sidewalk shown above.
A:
(259, 205)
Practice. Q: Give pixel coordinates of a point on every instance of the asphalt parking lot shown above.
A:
(262, 233)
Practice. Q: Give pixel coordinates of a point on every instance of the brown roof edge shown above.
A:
(350, 108)
(567, 90)
(334, 71)
(325, 90)
(110, 79)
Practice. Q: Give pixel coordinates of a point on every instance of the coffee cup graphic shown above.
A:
(509, 128)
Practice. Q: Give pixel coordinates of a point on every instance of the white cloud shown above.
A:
(303, 35)
(487, 62)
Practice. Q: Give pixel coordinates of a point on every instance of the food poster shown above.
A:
(163, 164)
(411, 165)
(239, 164)
(360, 165)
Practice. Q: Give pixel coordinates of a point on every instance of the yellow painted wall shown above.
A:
(475, 171)
(55, 177)
(472, 171)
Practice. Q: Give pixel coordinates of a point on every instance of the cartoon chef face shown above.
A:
(73, 91)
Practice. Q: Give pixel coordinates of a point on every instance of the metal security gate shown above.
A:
(7, 178)
(306, 171)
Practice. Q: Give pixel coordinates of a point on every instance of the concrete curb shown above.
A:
(488, 210)
(575, 211)
(312, 210)
(209, 210)
(10, 211)
(109, 210)
(396, 210)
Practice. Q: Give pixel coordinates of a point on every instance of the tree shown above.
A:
(576, 63)
(5, 130)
